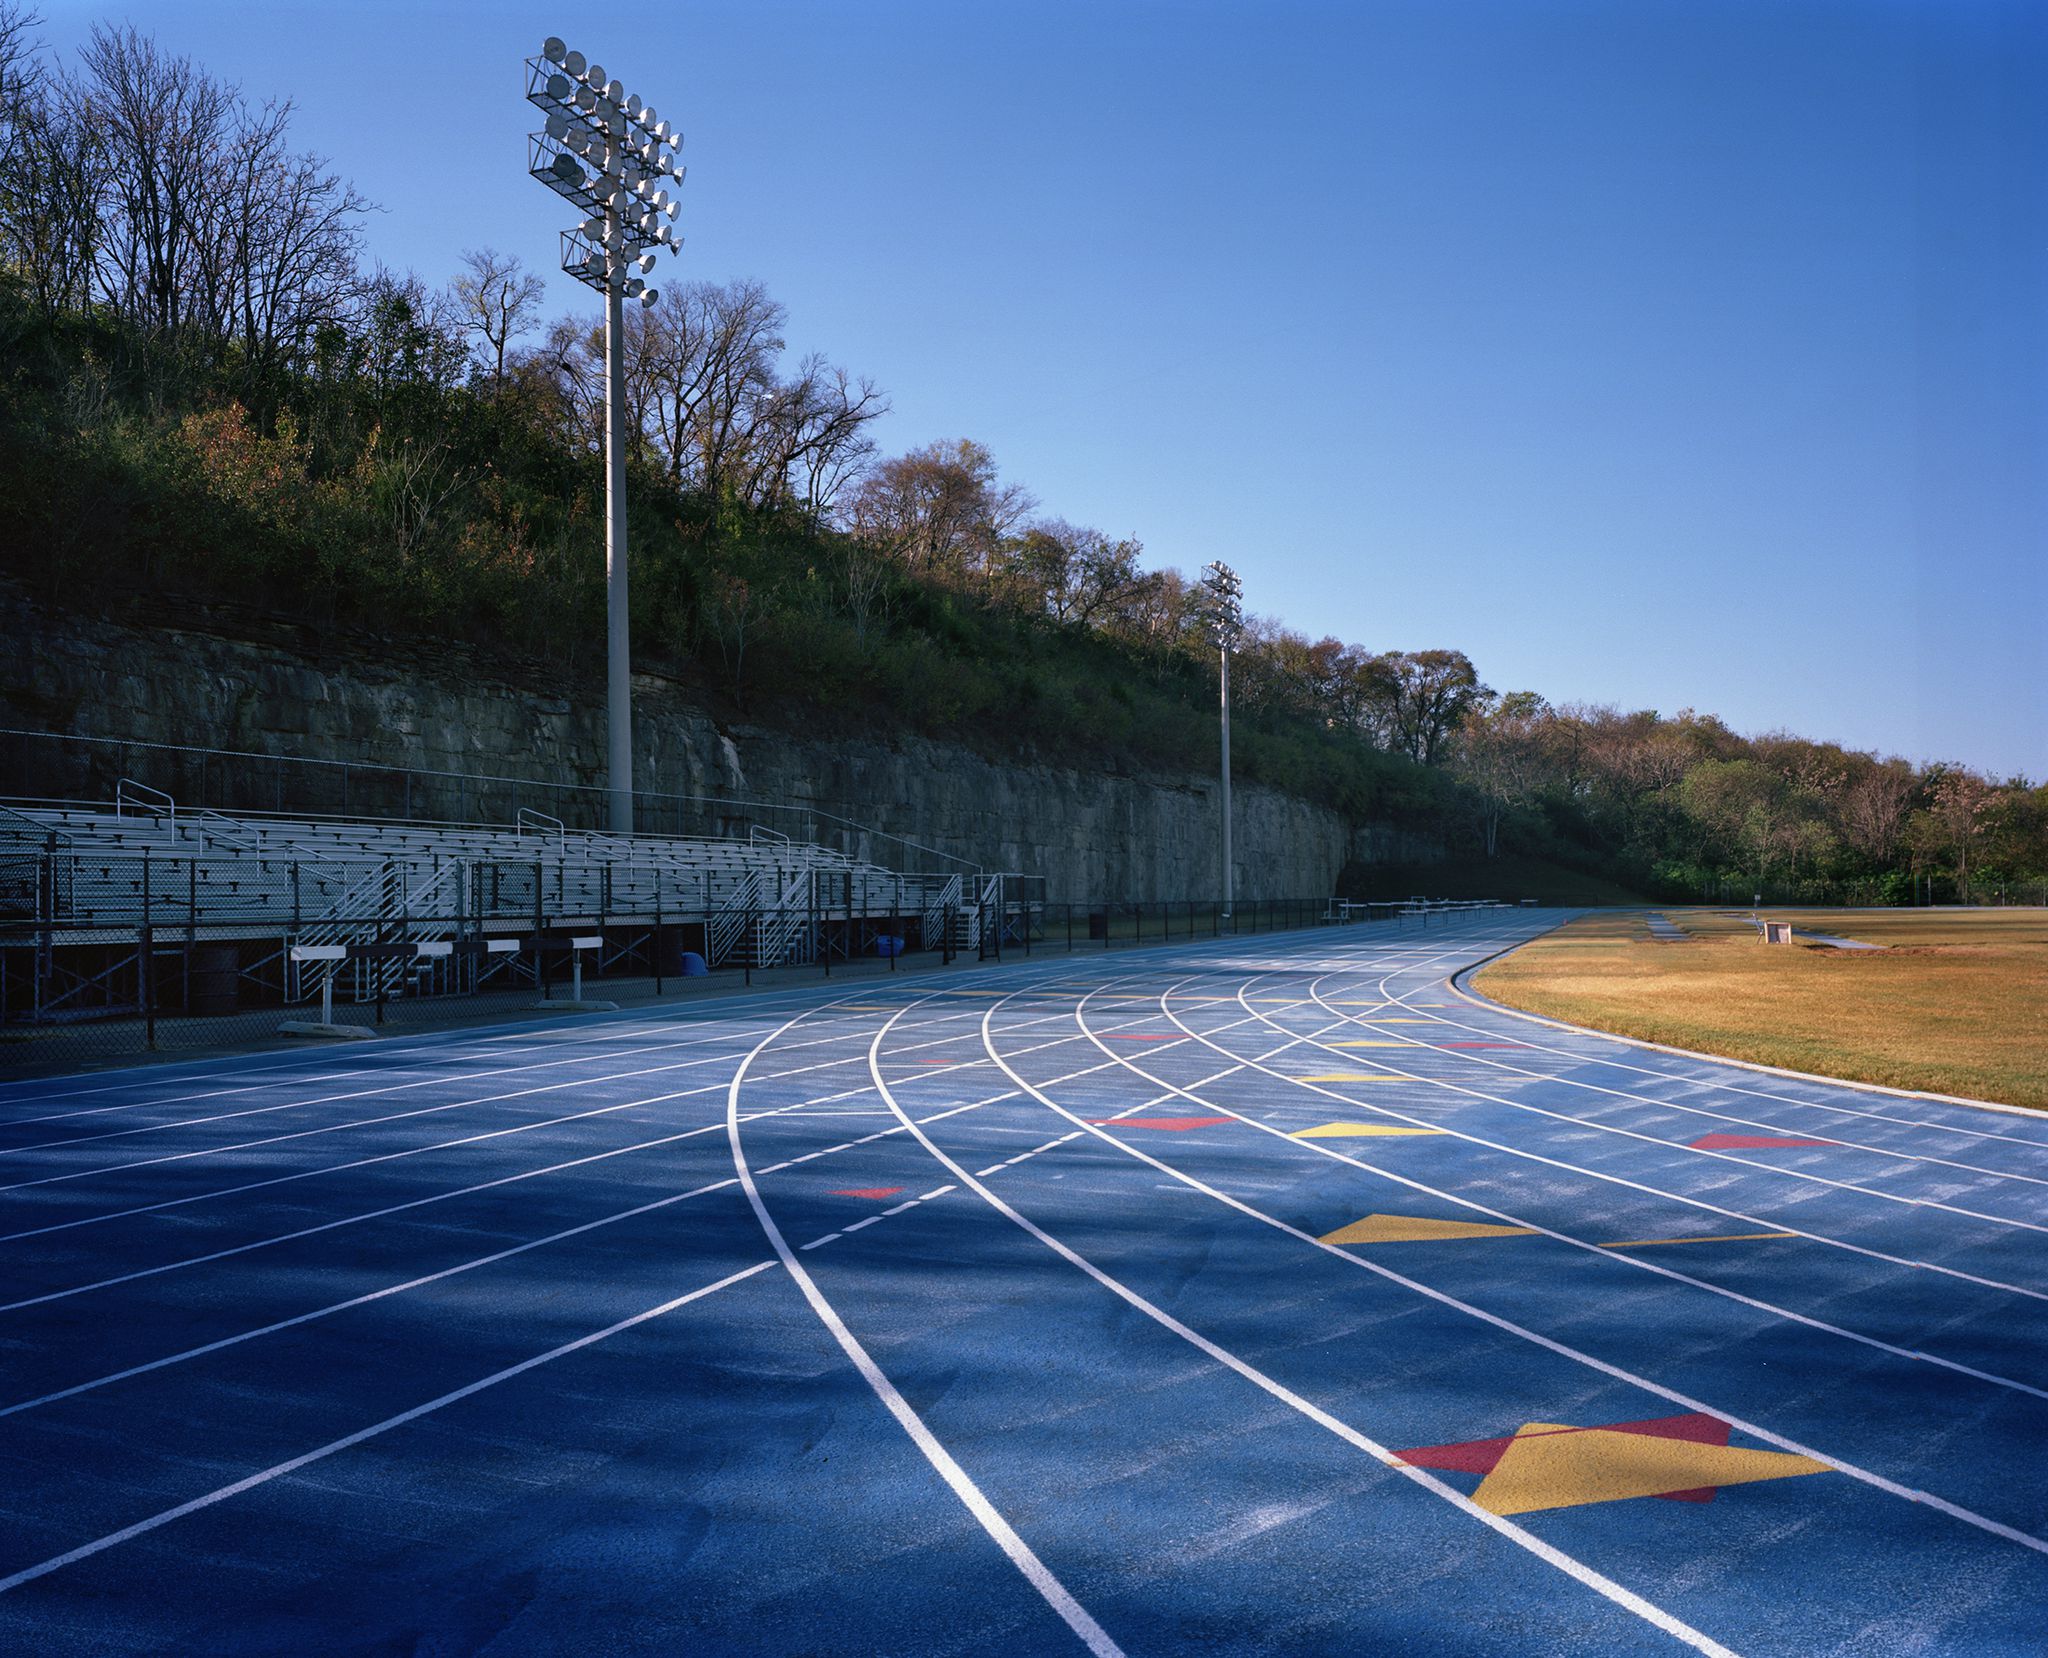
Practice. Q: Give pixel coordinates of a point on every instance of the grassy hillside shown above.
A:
(134, 465)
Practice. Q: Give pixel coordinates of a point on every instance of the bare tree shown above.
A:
(1874, 807)
(1498, 753)
(811, 439)
(1961, 804)
(498, 300)
(54, 169)
(940, 509)
(164, 119)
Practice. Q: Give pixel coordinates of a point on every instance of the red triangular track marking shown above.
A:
(871, 1191)
(1705, 1494)
(1696, 1426)
(1741, 1142)
(1475, 1456)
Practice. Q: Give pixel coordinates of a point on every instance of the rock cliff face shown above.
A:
(393, 730)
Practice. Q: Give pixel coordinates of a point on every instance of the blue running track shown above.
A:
(1259, 1296)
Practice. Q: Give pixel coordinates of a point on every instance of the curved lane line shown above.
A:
(1402, 999)
(1034, 1571)
(1576, 1169)
(1603, 1252)
(1983, 1522)
(1625, 1598)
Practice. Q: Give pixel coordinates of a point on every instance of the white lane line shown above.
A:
(452, 1105)
(1890, 1487)
(1590, 1247)
(370, 1093)
(443, 1145)
(1020, 1554)
(1718, 1061)
(1744, 1216)
(481, 1261)
(728, 1014)
(1634, 1098)
(221, 1494)
(505, 1180)
(1605, 1586)
(819, 1243)
(857, 1225)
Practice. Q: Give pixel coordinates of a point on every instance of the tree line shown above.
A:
(218, 387)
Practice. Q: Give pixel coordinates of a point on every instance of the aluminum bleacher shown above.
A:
(141, 861)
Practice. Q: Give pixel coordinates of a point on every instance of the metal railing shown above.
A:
(57, 765)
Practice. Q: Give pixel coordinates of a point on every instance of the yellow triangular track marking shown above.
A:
(1416, 1229)
(1350, 1076)
(1338, 1131)
(1549, 1465)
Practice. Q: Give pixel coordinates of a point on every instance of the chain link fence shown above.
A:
(106, 961)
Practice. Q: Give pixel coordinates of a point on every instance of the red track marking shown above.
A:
(871, 1191)
(1172, 1125)
(1480, 1456)
(1746, 1142)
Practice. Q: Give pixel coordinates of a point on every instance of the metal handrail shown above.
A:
(237, 833)
(527, 814)
(44, 832)
(811, 814)
(126, 789)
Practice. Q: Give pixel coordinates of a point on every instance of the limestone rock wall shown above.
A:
(397, 723)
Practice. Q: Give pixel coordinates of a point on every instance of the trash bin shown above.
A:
(692, 966)
(888, 945)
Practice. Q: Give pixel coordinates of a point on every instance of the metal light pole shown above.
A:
(1225, 608)
(606, 153)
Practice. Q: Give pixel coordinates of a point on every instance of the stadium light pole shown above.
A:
(605, 152)
(1224, 609)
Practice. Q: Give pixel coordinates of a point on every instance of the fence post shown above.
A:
(657, 929)
(540, 949)
(145, 975)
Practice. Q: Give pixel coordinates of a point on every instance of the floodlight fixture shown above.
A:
(603, 150)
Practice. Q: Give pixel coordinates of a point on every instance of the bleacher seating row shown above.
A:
(325, 878)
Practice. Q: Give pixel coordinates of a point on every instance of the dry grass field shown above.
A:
(1955, 1002)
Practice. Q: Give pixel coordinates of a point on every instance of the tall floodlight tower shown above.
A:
(1224, 608)
(606, 154)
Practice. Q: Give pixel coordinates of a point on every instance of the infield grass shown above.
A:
(1955, 1003)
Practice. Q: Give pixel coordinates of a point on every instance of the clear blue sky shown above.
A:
(1657, 352)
